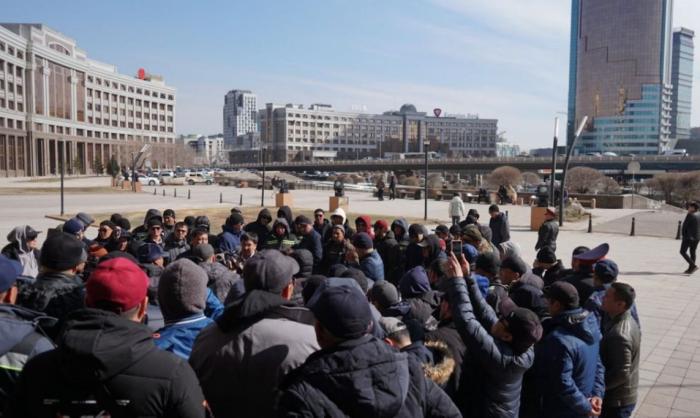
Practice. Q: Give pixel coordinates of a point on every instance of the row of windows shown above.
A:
(129, 125)
(9, 68)
(103, 95)
(123, 112)
(12, 150)
(11, 105)
(11, 50)
(130, 89)
(11, 123)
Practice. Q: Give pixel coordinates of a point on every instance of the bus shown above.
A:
(432, 155)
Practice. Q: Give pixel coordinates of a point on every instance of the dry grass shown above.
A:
(51, 190)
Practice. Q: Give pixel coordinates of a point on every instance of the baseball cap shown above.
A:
(523, 324)
(269, 270)
(343, 310)
(303, 220)
(204, 252)
(10, 270)
(155, 221)
(168, 212)
(73, 226)
(385, 294)
(564, 293)
(116, 285)
(362, 240)
(392, 325)
(552, 210)
(606, 270)
(85, 218)
(234, 219)
(150, 252)
(594, 254)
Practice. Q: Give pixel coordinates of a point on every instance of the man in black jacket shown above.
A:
(355, 374)
(501, 347)
(549, 230)
(500, 229)
(106, 363)
(691, 235)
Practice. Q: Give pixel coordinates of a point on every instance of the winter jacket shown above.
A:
(21, 339)
(500, 230)
(312, 242)
(552, 274)
(500, 369)
(19, 250)
(112, 360)
(582, 280)
(54, 294)
(285, 242)
(447, 333)
(153, 272)
(241, 359)
(286, 213)
(221, 279)
(619, 351)
(229, 240)
(547, 235)
(691, 227)
(174, 248)
(528, 294)
(178, 337)
(388, 249)
(569, 369)
(457, 208)
(372, 266)
(258, 227)
(399, 263)
(363, 377)
(413, 256)
(368, 225)
(323, 228)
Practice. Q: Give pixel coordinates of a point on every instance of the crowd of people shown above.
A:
(324, 317)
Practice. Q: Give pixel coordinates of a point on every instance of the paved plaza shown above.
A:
(667, 300)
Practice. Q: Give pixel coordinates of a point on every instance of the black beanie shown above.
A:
(62, 251)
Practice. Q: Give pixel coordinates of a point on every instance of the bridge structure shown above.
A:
(649, 164)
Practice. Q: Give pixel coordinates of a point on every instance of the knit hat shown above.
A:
(116, 285)
(564, 293)
(10, 270)
(234, 219)
(442, 229)
(62, 251)
(203, 252)
(269, 270)
(606, 270)
(342, 310)
(303, 220)
(384, 294)
(305, 260)
(362, 241)
(546, 255)
(182, 290)
(168, 212)
(73, 226)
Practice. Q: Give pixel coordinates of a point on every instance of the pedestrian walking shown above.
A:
(691, 235)
(392, 187)
(457, 210)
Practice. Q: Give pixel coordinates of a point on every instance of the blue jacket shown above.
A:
(373, 266)
(569, 368)
(312, 242)
(229, 240)
(178, 337)
(483, 282)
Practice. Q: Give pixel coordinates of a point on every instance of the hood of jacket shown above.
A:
(286, 213)
(577, 322)
(263, 213)
(368, 223)
(434, 249)
(404, 225)
(259, 304)
(152, 213)
(509, 249)
(414, 283)
(339, 212)
(18, 237)
(280, 221)
(398, 310)
(96, 345)
(17, 322)
(363, 377)
(443, 364)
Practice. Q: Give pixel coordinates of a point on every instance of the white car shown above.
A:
(149, 181)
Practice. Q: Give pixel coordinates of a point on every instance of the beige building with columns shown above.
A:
(55, 100)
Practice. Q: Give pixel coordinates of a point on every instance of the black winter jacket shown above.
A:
(499, 229)
(547, 235)
(54, 294)
(500, 369)
(691, 227)
(111, 360)
(364, 377)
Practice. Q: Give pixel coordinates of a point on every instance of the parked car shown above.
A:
(609, 154)
(149, 181)
(166, 173)
(198, 178)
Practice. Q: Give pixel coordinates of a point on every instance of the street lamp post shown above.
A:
(566, 168)
(262, 196)
(426, 145)
(63, 164)
(555, 144)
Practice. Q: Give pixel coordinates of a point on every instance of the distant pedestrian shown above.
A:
(392, 187)
(549, 230)
(691, 235)
(499, 225)
(380, 189)
(457, 210)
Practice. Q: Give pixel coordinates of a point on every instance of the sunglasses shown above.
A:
(318, 215)
(156, 228)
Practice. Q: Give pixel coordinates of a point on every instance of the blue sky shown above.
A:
(504, 59)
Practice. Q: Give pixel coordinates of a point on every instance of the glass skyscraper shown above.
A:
(682, 79)
(620, 75)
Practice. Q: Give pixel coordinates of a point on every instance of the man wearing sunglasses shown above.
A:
(155, 233)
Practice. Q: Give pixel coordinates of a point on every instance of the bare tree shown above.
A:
(505, 176)
(688, 186)
(666, 183)
(583, 179)
(531, 179)
(608, 185)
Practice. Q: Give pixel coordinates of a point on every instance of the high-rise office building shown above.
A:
(620, 75)
(57, 104)
(240, 116)
(682, 79)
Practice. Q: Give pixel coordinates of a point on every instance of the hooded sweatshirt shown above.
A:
(349, 232)
(258, 227)
(286, 241)
(286, 213)
(18, 250)
(368, 226)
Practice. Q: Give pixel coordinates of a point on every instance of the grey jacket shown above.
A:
(691, 227)
(619, 350)
(241, 360)
(547, 235)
